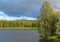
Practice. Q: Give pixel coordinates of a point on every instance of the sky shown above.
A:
(24, 9)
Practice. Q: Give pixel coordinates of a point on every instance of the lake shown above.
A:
(21, 36)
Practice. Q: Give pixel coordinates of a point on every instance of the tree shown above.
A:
(57, 14)
(46, 21)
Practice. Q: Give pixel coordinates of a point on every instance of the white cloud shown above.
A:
(28, 18)
(3, 16)
(55, 4)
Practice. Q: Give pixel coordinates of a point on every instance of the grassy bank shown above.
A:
(19, 28)
(55, 38)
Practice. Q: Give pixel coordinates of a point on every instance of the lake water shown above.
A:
(19, 36)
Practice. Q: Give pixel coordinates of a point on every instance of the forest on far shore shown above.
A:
(18, 23)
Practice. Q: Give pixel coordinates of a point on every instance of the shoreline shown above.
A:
(19, 28)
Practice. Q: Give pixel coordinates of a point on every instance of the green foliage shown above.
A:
(17, 23)
(48, 21)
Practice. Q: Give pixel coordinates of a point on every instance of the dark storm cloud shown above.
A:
(20, 7)
(25, 7)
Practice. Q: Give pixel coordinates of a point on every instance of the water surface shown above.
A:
(19, 36)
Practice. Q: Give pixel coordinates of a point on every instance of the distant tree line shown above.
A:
(18, 23)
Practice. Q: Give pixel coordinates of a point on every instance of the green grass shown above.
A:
(20, 28)
(54, 38)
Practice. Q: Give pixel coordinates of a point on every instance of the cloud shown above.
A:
(55, 4)
(19, 7)
(29, 8)
(3, 16)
